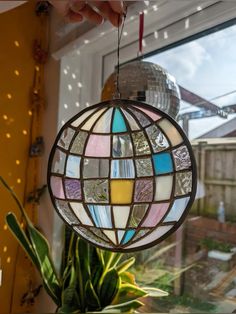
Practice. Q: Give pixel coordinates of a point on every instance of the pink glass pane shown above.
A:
(57, 188)
(73, 189)
(153, 236)
(151, 114)
(98, 146)
(156, 213)
(143, 190)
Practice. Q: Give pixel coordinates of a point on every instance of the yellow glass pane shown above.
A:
(121, 191)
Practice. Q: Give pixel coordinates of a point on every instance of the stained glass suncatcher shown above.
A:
(122, 175)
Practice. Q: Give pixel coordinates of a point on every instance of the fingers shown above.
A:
(107, 12)
(117, 6)
(80, 7)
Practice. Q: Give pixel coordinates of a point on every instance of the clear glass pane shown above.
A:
(141, 118)
(66, 212)
(132, 123)
(122, 146)
(91, 237)
(138, 212)
(96, 191)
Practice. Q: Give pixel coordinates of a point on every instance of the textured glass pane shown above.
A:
(99, 233)
(103, 125)
(122, 146)
(132, 123)
(150, 113)
(57, 187)
(144, 167)
(181, 158)
(122, 168)
(118, 123)
(143, 120)
(101, 215)
(66, 212)
(111, 235)
(177, 209)
(163, 187)
(58, 163)
(91, 237)
(81, 213)
(121, 191)
(141, 145)
(66, 138)
(183, 183)
(73, 189)
(156, 213)
(78, 143)
(128, 236)
(95, 168)
(121, 215)
(138, 212)
(162, 163)
(157, 138)
(98, 146)
(73, 167)
(140, 234)
(96, 191)
(92, 120)
(143, 190)
(156, 234)
(81, 119)
(171, 132)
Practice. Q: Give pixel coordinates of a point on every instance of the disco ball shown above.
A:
(122, 175)
(147, 82)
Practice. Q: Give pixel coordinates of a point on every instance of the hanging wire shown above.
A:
(117, 93)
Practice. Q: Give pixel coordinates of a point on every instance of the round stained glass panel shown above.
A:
(122, 175)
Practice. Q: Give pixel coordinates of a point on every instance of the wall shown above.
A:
(19, 27)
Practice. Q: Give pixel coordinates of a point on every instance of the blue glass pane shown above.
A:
(122, 168)
(73, 167)
(162, 163)
(101, 215)
(177, 209)
(128, 236)
(118, 124)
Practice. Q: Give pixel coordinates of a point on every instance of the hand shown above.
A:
(93, 11)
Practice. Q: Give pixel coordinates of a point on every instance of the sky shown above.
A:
(207, 67)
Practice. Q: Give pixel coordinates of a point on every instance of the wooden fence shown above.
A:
(216, 164)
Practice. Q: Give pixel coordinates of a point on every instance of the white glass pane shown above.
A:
(81, 213)
(163, 187)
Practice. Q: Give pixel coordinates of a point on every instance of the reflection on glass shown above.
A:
(122, 146)
(157, 138)
(95, 168)
(66, 212)
(103, 125)
(138, 212)
(66, 138)
(177, 209)
(96, 191)
(122, 168)
(58, 163)
(143, 120)
(132, 123)
(171, 132)
(91, 237)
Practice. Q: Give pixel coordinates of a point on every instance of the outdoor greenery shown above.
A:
(90, 279)
(211, 244)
